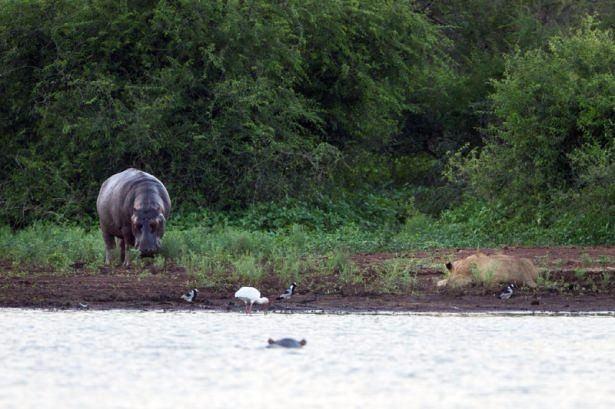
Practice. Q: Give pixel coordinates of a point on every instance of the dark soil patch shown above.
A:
(576, 279)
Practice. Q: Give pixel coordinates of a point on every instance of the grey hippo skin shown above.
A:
(133, 206)
(286, 343)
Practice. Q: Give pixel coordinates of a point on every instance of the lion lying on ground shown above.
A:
(490, 270)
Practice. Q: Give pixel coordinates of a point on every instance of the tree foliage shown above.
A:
(245, 103)
(228, 102)
(555, 111)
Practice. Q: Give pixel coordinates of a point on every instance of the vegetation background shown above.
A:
(303, 125)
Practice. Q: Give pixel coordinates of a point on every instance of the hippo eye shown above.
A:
(139, 226)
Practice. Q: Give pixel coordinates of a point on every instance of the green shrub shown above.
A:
(554, 130)
(51, 245)
(229, 103)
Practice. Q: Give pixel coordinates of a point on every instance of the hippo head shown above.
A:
(148, 229)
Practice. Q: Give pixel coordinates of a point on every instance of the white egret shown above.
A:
(250, 295)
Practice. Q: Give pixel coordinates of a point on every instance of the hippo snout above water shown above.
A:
(286, 343)
(133, 206)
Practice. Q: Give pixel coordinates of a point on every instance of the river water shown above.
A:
(156, 359)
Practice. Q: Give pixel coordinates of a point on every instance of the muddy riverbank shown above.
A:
(572, 279)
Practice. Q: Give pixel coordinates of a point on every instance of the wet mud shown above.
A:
(575, 279)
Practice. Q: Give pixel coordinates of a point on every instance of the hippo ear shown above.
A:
(449, 266)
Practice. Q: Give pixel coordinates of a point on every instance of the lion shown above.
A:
(490, 270)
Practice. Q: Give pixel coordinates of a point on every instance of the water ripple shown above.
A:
(129, 359)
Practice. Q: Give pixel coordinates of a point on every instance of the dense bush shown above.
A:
(228, 102)
(551, 149)
(267, 114)
(483, 33)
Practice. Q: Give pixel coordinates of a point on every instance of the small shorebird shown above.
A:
(288, 293)
(286, 343)
(250, 295)
(190, 295)
(507, 292)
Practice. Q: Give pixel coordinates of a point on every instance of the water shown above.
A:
(128, 359)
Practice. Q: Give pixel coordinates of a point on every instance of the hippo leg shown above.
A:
(109, 246)
(125, 257)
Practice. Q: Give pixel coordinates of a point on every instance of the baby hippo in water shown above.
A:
(286, 343)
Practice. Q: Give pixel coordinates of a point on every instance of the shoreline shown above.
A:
(573, 279)
(427, 313)
(472, 301)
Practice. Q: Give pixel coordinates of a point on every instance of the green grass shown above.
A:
(289, 242)
(248, 252)
(396, 276)
(48, 245)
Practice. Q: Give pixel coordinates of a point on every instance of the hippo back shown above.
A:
(122, 192)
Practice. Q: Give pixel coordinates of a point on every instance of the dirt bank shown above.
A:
(574, 279)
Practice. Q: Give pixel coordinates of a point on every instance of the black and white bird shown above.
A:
(507, 292)
(288, 293)
(190, 295)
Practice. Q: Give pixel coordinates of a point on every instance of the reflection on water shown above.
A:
(128, 359)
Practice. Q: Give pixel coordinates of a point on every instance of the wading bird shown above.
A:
(250, 295)
(288, 293)
(190, 295)
(507, 292)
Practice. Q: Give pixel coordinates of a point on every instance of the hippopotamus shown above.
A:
(133, 206)
(286, 343)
